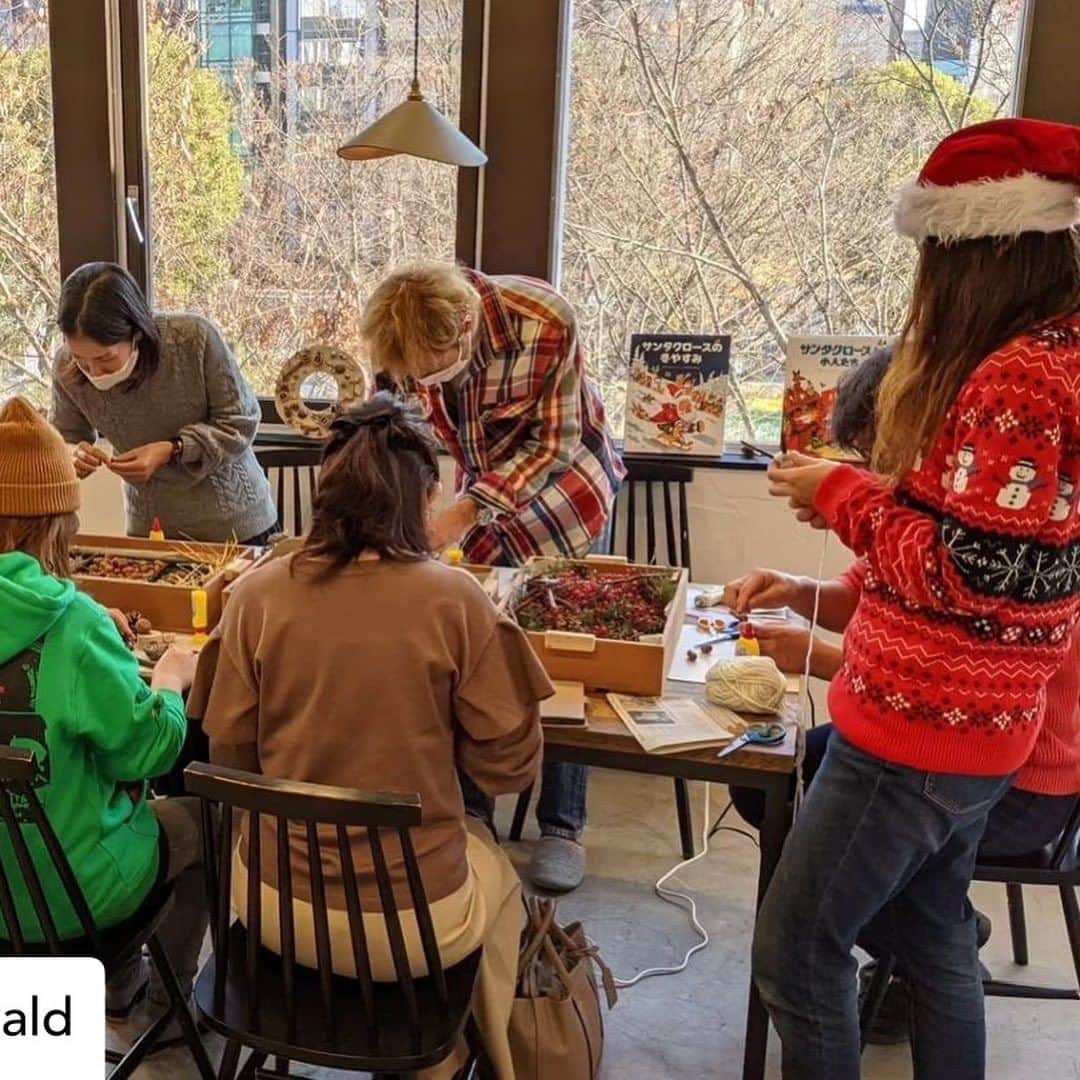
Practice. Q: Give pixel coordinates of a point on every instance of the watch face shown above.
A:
(485, 516)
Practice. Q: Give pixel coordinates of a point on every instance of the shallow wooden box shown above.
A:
(483, 574)
(168, 607)
(625, 667)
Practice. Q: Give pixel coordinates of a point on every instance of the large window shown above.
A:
(29, 263)
(732, 165)
(256, 221)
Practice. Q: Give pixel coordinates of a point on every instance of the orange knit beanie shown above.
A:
(37, 475)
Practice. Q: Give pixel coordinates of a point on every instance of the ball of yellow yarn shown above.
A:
(748, 684)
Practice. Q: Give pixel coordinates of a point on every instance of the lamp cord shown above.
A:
(416, 43)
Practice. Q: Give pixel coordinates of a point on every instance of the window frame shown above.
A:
(508, 212)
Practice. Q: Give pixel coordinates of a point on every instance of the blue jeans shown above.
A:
(1024, 821)
(890, 850)
(560, 810)
(1021, 822)
(749, 803)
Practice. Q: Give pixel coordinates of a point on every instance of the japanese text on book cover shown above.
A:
(815, 364)
(676, 393)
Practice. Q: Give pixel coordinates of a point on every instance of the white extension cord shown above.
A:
(806, 700)
(685, 900)
(681, 900)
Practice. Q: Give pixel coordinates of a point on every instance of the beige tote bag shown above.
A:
(557, 1025)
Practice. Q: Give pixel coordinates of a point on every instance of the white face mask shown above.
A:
(450, 373)
(107, 382)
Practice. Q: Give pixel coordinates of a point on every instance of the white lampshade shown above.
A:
(417, 128)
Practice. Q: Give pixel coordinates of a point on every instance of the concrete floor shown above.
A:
(691, 1025)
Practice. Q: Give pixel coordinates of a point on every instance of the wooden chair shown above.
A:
(669, 546)
(645, 484)
(288, 463)
(1056, 864)
(20, 811)
(256, 998)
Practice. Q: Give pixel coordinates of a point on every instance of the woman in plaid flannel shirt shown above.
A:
(500, 369)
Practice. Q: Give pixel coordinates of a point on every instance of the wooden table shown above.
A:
(606, 743)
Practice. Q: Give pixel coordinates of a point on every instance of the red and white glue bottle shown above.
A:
(748, 644)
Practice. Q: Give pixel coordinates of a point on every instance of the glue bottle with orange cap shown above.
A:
(156, 531)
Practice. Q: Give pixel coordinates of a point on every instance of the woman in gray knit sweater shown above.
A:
(166, 392)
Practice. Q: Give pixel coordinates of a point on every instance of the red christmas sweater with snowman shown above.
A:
(973, 570)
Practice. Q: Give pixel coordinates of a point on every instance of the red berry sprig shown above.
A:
(615, 605)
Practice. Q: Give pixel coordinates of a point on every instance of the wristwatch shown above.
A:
(485, 515)
(177, 449)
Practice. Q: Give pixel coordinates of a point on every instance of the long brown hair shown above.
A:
(970, 299)
(47, 539)
(380, 470)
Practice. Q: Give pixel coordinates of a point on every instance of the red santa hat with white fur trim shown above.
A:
(1001, 178)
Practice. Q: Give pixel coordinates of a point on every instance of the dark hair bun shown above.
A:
(380, 465)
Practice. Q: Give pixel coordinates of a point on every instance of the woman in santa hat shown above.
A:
(971, 594)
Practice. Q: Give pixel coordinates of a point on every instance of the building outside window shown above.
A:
(256, 221)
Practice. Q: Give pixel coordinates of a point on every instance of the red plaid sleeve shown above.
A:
(554, 435)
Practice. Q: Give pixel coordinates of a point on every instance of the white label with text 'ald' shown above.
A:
(52, 1017)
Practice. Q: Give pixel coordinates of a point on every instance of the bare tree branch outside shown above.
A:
(731, 169)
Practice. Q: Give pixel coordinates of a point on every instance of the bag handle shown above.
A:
(574, 950)
(541, 919)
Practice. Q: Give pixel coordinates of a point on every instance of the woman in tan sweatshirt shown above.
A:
(362, 662)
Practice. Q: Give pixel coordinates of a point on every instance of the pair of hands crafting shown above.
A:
(797, 477)
(176, 668)
(451, 524)
(786, 645)
(137, 466)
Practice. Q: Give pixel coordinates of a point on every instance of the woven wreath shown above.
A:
(353, 383)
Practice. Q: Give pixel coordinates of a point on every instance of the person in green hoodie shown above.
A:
(70, 691)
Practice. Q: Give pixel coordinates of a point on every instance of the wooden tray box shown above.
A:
(288, 547)
(168, 607)
(624, 667)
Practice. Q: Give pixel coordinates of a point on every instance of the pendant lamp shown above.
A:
(414, 127)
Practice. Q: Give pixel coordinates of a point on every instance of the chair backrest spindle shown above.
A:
(394, 933)
(361, 956)
(286, 923)
(650, 525)
(17, 796)
(674, 536)
(323, 954)
(423, 917)
(224, 904)
(29, 873)
(287, 463)
(1065, 849)
(60, 863)
(254, 914)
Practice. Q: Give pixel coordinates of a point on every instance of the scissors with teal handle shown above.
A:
(770, 734)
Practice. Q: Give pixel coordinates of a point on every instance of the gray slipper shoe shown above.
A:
(557, 864)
